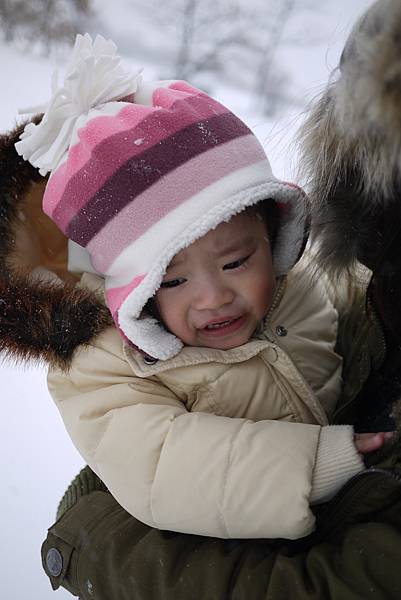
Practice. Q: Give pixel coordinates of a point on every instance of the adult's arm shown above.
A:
(97, 550)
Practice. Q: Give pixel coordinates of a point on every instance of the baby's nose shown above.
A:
(212, 295)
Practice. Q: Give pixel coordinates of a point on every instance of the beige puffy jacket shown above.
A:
(230, 443)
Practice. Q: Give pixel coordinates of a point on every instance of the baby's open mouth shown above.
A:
(222, 325)
(218, 325)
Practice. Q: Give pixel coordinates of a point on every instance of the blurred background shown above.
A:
(264, 59)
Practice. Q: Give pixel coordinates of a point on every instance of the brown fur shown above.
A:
(47, 321)
(351, 143)
(351, 157)
(39, 321)
(351, 161)
(16, 176)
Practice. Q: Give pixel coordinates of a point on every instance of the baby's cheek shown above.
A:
(175, 318)
(266, 294)
(164, 307)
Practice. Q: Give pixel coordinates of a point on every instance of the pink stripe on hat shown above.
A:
(93, 133)
(116, 296)
(184, 86)
(168, 193)
(165, 97)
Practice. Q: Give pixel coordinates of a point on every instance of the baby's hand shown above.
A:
(368, 442)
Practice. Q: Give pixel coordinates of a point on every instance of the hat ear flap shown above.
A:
(292, 232)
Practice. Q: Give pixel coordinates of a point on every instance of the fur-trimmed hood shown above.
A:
(351, 147)
(43, 315)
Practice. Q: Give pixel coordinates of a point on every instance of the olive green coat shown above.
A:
(354, 555)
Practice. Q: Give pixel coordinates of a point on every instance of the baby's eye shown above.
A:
(236, 263)
(172, 283)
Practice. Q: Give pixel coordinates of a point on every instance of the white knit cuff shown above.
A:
(337, 460)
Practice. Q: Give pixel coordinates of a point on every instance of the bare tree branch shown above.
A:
(42, 22)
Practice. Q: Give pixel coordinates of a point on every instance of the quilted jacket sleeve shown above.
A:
(188, 472)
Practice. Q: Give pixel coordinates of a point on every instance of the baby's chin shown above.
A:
(225, 346)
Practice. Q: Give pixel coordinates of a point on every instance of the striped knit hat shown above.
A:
(139, 171)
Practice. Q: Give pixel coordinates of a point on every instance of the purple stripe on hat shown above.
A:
(106, 157)
(168, 193)
(145, 169)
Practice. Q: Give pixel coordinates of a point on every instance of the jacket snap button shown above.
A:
(281, 330)
(149, 360)
(54, 562)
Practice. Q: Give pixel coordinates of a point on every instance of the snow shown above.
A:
(38, 457)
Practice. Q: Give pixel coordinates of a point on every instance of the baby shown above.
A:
(206, 409)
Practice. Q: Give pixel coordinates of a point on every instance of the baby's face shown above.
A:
(216, 291)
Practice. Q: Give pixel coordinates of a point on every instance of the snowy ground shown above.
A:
(37, 456)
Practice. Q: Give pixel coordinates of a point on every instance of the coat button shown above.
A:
(149, 360)
(54, 562)
(281, 330)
